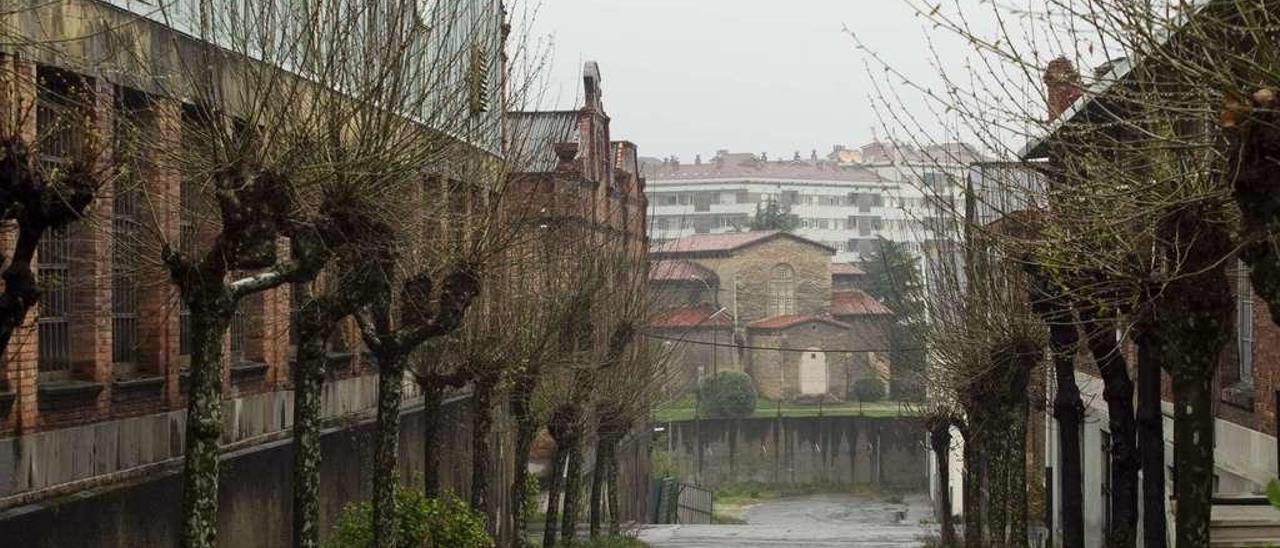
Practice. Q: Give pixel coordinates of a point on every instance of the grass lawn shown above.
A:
(682, 409)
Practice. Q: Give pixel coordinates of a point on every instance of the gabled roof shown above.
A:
(791, 320)
(853, 302)
(714, 244)
(676, 270)
(846, 269)
(691, 317)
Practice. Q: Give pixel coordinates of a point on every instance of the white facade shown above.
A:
(844, 205)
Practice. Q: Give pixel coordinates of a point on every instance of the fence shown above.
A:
(676, 502)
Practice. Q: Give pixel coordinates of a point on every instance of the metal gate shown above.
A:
(676, 502)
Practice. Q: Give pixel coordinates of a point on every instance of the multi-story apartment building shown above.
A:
(844, 201)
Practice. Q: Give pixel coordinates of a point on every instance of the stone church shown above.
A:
(771, 304)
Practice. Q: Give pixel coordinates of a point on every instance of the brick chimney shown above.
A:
(1062, 86)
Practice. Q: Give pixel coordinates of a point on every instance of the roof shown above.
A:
(734, 167)
(676, 270)
(1035, 148)
(533, 136)
(853, 302)
(846, 269)
(689, 317)
(724, 243)
(791, 320)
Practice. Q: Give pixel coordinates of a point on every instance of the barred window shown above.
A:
(131, 119)
(239, 334)
(59, 137)
(186, 227)
(1244, 323)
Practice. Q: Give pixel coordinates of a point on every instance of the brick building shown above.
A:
(1245, 385)
(92, 388)
(771, 304)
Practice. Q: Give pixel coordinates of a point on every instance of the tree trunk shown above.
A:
(1193, 457)
(972, 490)
(941, 441)
(308, 381)
(1068, 409)
(520, 413)
(597, 483)
(613, 489)
(204, 429)
(572, 490)
(1151, 444)
(1017, 474)
(20, 291)
(385, 472)
(432, 407)
(553, 495)
(1118, 393)
(482, 425)
(1196, 309)
(997, 462)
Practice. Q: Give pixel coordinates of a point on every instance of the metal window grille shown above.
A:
(54, 324)
(1244, 323)
(186, 234)
(130, 117)
(55, 117)
(239, 334)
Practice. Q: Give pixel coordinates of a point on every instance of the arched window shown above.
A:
(782, 290)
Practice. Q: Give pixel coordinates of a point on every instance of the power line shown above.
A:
(778, 348)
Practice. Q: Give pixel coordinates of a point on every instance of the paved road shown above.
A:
(819, 521)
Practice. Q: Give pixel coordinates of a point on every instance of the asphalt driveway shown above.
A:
(816, 521)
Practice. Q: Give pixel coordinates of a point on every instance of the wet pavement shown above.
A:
(817, 521)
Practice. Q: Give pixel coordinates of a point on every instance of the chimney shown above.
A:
(697, 160)
(1062, 86)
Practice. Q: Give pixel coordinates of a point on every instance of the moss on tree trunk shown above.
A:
(204, 428)
(308, 381)
(385, 473)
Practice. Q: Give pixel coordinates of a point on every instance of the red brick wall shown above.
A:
(91, 318)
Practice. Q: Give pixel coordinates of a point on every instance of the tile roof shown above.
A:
(733, 167)
(695, 316)
(713, 242)
(791, 320)
(721, 243)
(675, 270)
(853, 302)
(846, 269)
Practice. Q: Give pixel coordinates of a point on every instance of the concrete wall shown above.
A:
(838, 450)
(255, 493)
(126, 487)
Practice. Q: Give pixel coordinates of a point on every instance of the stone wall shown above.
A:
(751, 268)
(777, 373)
(797, 451)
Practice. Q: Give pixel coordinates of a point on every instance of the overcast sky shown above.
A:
(688, 77)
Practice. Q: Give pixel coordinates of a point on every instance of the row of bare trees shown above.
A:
(355, 153)
(1123, 224)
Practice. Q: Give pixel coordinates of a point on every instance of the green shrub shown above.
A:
(420, 521)
(531, 509)
(869, 389)
(730, 394)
